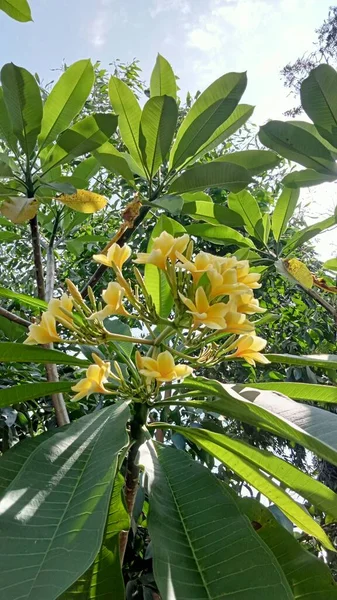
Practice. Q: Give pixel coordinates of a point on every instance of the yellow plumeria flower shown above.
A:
(93, 382)
(43, 332)
(247, 304)
(248, 347)
(116, 255)
(55, 306)
(164, 247)
(247, 278)
(225, 283)
(236, 322)
(213, 316)
(202, 263)
(112, 297)
(162, 368)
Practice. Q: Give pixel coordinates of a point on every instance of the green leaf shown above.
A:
(284, 210)
(65, 100)
(319, 361)
(157, 127)
(219, 234)
(215, 214)
(238, 117)
(29, 391)
(6, 128)
(211, 174)
(306, 234)
(14, 352)
(170, 203)
(117, 326)
(155, 280)
(24, 104)
(255, 161)
(307, 575)
(198, 535)
(306, 178)
(250, 463)
(104, 578)
(9, 236)
(299, 145)
(86, 169)
(85, 136)
(247, 207)
(111, 159)
(23, 299)
(309, 392)
(62, 494)
(331, 264)
(17, 9)
(319, 100)
(125, 105)
(266, 224)
(163, 81)
(207, 114)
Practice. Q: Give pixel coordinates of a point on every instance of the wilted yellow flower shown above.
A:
(112, 297)
(248, 347)
(93, 382)
(43, 332)
(213, 316)
(55, 306)
(164, 247)
(225, 283)
(162, 368)
(83, 201)
(116, 255)
(247, 304)
(247, 278)
(19, 209)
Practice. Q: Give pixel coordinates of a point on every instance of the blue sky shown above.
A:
(201, 38)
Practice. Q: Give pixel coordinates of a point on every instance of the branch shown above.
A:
(34, 227)
(321, 301)
(11, 317)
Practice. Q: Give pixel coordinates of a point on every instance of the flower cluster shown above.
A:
(213, 299)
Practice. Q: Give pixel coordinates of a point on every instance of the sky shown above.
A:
(202, 39)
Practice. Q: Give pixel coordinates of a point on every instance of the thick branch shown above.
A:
(94, 279)
(316, 296)
(34, 227)
(11, 317)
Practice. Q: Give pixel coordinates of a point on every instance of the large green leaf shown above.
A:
(155, 280)
(207, 114)
(104, 578)
(29, 391)
(307, 392)
(331, 264)
(87, 168)
(163, 81)
(24, 104)
(57, 504)
(85, 136)
(17, 9)
(319, 100)
(6, 129)
(111, 159)
(247, 207)
(249, 462)
(319, 361)
(212, 174)
(255, 161)
(219, 234)
(297, 144)
(307, 575)
(311, 427)
(306, 178)
(198, 535)
(304, 235)
(157, 127)
(23, 299)
(125, 105)
(284, 210)
(14, 352)
(215, 214)
(66, 100)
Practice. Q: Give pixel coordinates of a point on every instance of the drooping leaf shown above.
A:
(319, 100)
(305, 392)
(219, 234)
(111, 159)
(125, 105)
(198, 533)
(65, 100)
(215, 214)
(306, 178)
(247, 207)
(299, 145)
(163, 81)
(307, 575)
(212, 174)
(24, 104)
(157, 127)
(284, 210)
(306, 234)
(255, 161)
(14, 352)
(23, 299)
(83, 201)
(17, 9)
(62, 494)
(19, 209)
(29, 391)
(207, 114)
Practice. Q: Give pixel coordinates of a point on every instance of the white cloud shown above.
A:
(160, 6)
(107, 13)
